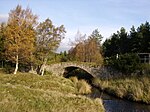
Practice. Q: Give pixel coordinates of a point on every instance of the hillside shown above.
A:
(34, 93)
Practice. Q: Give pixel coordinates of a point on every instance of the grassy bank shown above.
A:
(134, 88)
(34, 93)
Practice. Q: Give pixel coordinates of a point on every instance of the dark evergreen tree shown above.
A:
(135, 41)
(144, 37)
(111, 46)
(123, 41)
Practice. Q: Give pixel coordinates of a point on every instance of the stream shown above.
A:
(113, 104)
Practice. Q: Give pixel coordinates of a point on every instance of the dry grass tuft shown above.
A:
(83, 87)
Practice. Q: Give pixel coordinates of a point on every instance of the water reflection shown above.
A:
(124, 106)
(112, 104)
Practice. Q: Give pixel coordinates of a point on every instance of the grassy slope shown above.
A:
(33, 93)
(133, 88)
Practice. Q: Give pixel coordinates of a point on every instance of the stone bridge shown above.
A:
(60, 68)
(92, 69)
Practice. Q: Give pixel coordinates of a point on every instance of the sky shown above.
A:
(107, 16)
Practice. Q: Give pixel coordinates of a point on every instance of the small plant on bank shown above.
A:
(83, 87)
(74, 80)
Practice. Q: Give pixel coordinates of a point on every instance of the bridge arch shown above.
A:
(78, 72)
(61, 68)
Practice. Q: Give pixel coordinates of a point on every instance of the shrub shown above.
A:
(9, 69)
(145, 69)
(126, 63)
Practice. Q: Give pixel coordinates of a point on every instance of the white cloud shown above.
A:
(64, 45)
(106, 32)
(3, 17)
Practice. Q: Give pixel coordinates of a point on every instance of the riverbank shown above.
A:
(135, 88)
(34, 93)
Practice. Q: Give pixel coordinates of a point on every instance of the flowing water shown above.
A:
(113, 104)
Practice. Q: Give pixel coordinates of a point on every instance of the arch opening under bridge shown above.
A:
(72, 71)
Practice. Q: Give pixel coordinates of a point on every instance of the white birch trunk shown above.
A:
(16, 69)
(43, 67)
(40, 71)
(32, 68)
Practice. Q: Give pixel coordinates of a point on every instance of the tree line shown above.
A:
(25, 41)
(90, 48)
(120, 51)
(136, 41)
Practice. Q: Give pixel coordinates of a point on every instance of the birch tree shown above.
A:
(20, 35)
(48, 40)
